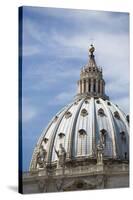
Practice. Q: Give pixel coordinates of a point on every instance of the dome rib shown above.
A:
(72, 135)
(122, 117)
(93, 121)
(54, 135)
(112, 128)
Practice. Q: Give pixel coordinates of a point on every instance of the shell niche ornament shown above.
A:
(91, 49)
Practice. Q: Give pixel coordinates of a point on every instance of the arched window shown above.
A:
(68, 114)
(84, 112)
(103, 134)
(101, 112)
(125, 155)
(116, 115)
(127, 118)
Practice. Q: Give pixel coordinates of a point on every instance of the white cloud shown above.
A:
(112, 49)
(62, 98)
(29, 112)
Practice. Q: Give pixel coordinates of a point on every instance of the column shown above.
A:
(78, 86)
(101, 87)
(87, 85)
(96, 86)
(91, 85)
(82, 86)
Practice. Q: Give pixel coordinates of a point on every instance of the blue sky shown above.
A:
(55, 47)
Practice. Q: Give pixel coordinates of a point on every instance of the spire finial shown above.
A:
(91, 49)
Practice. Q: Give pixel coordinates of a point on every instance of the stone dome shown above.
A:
(90, 120)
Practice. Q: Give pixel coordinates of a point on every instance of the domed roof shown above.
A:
(90, 119)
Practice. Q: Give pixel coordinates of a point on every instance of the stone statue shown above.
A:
(99, 153)
(61, 154)
(41, 156)
(91, 49)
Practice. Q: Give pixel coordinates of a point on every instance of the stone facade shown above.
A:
(81, 175)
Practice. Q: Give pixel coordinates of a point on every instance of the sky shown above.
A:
(55, 47)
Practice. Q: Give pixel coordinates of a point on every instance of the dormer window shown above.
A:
(61, 135)
(68, 114)
(98, 101)
(55, 119)
(86, 101)
(45, 140)
(75, 103)
(101, 112)
(116, 115)
(82, 132)
(108, 103)
(84, 112)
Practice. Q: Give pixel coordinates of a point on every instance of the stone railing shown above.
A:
(79, 170)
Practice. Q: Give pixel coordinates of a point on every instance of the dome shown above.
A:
(89, 121)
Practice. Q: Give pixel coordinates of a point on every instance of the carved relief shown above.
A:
(84, 184)
(59, 184)
(41, 186)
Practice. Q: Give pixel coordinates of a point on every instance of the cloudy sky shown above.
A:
(55, 47)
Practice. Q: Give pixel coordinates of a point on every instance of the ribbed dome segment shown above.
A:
(80, 126)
